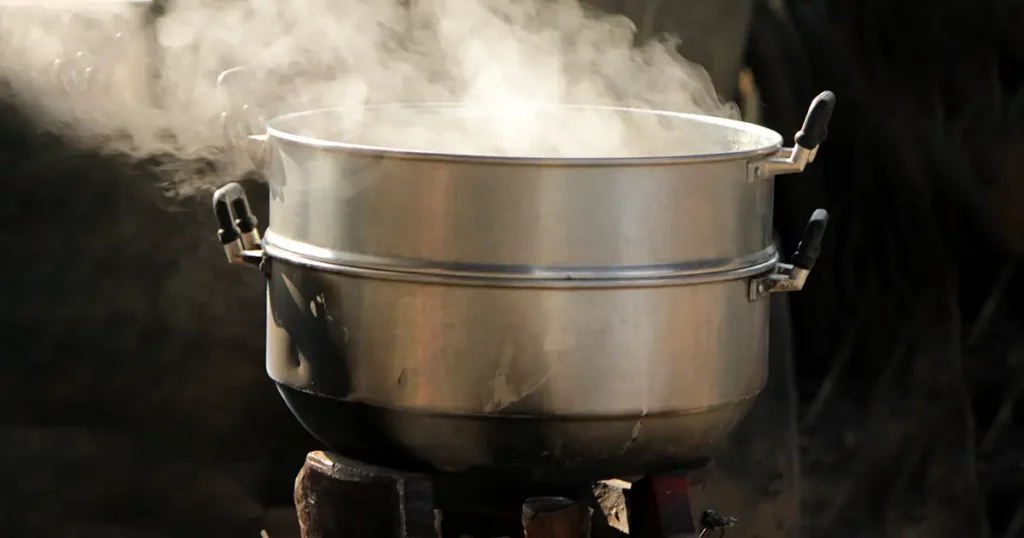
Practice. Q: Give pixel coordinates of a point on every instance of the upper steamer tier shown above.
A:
(543, 190)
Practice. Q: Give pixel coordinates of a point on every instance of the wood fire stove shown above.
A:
(336, 497)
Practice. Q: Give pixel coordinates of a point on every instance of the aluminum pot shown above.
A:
(541, 318)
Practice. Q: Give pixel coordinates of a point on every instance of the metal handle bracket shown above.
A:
(808, 139)
(792, 277)
(237, 225)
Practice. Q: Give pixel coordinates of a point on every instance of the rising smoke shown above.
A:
(83, 63)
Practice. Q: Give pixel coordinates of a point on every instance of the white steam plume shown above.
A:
(493, 55)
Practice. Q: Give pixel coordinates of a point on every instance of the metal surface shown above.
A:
(515, 447)
(524, 276)
(449, 348)
(387, 208)
(531, 316)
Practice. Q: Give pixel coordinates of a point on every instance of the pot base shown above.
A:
(515, 448)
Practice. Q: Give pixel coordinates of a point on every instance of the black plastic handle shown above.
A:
(226, 232)
(815, 128)
(234, 216)
(245, 221)
(809, 249)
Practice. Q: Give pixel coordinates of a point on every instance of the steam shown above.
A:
(84, 65)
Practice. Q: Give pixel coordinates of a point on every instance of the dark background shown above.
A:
(134, 400)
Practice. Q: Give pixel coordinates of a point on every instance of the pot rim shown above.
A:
(518, 276)
(283, 135)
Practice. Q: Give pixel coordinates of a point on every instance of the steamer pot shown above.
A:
(535, 318)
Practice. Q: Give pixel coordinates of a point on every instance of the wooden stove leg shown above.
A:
(555, 517)
(335, 498)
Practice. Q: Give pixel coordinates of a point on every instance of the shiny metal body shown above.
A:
(559, 352)
(539, 287)
(577, 318)
(617, 217)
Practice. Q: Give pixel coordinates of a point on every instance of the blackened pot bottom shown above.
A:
(515, 449)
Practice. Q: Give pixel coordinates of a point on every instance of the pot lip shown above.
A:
(519, 276)
(282, 135)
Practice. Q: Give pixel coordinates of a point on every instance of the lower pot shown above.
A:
(533, 449)
(576, 382)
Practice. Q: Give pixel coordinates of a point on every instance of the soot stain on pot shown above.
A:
(313, 346)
